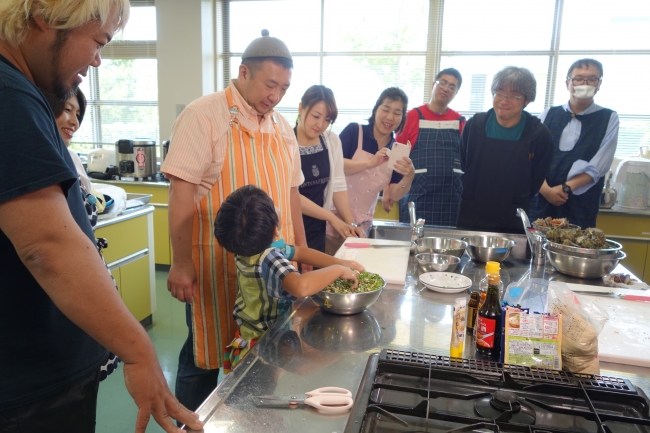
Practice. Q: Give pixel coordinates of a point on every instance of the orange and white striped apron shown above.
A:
(252, 158)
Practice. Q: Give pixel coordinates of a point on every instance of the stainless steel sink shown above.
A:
(402, 232)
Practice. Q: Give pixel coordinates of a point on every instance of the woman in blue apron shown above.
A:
(505, 155)
(321, 160)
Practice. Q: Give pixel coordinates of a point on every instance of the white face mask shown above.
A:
(584, 91)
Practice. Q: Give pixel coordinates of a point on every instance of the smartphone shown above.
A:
(397, 152)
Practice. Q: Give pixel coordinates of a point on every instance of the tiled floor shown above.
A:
(116, 411)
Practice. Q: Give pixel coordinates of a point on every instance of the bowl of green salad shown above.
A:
(340, 298)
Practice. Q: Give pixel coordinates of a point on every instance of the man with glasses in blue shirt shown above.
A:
(585, 137)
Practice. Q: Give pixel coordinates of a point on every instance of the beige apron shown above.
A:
(261, 159)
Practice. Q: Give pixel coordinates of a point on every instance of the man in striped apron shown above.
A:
(219, 143)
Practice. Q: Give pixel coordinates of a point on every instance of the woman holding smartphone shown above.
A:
(365, 153)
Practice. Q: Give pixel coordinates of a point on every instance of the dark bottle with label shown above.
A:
(472, 310)
(488, 322)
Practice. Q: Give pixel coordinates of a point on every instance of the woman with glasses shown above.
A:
(321, 159)
(505, 154)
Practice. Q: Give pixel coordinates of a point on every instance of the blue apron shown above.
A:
(580, 209)
(436, 193)
(316, 169)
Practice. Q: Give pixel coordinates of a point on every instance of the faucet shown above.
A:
(417, 226)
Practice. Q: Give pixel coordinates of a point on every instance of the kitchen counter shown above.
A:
(620, 211)
(308, 349)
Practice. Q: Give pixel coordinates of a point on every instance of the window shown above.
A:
(123, 92)
(360, 47)
(357, 48)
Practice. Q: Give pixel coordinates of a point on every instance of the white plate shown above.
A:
(445, 280)
(441, 290)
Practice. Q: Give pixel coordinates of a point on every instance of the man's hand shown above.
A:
(182, 281)
(148, 387)
(554, 195)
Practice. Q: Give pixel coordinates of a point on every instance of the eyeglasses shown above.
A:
(592, 81)
(445, 85)
(502, 97)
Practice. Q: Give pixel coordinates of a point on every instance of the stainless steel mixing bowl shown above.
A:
(448, 246)
(583, 267)
(489, 248)
(346, 303)
(430, 262)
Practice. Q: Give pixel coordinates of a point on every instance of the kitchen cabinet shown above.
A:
(381, 214)
(129, 259)
(160, 201)
(632, 230)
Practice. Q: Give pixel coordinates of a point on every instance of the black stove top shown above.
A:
(415, 392)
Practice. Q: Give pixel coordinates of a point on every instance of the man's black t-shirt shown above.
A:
(41, 350)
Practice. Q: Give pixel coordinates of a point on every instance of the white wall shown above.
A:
(185, 51)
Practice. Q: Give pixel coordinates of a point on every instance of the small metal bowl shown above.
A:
(346, 303)
(430, 262)
(489, 248)
(448, 246)
(583, 267)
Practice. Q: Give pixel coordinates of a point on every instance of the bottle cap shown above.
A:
(492, 267)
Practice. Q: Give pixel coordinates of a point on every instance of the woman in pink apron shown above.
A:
(365, 150)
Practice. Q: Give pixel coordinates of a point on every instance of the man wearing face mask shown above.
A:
(585, 137)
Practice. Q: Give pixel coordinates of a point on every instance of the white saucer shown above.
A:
(446, 281)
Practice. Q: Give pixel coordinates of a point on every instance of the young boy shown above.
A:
(267, 283)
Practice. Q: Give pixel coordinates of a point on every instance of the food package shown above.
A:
(458, 328)
(582, 321)
(532, 339)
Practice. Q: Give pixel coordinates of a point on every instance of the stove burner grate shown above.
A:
(516, 372)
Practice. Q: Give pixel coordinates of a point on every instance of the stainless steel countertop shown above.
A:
(308, 348)
(125, 215)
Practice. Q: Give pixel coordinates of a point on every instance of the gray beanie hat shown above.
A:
(266, 46)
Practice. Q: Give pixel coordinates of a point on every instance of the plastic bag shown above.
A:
(529, 293)
(117, 194)
(582, 321)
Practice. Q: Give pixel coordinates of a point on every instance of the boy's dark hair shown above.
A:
(246, 222)
(454, 73)
(394, 94)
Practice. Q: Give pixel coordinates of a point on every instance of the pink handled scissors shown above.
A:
(330, 400)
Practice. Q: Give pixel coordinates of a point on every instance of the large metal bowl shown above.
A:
(448, 246)
(430, 262)
(489, 248)
(583, 267)
(612, 250)
(346, 303)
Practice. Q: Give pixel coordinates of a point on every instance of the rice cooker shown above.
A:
(136, 159)
(100, 159)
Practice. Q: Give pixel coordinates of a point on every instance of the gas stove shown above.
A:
(413, 392)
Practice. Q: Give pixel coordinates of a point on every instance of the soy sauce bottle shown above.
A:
(488, 322)
(472, 311)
